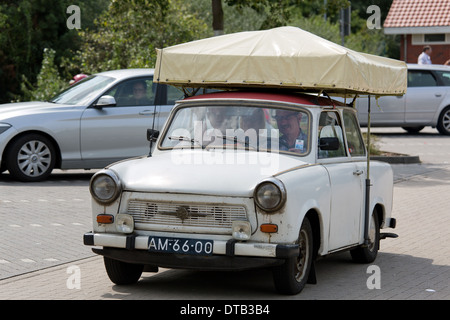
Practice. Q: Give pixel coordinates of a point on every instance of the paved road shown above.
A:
(431, 146)
(42, 222)
(42, 255)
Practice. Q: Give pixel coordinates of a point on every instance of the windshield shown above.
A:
(239, 127)
(84, 91)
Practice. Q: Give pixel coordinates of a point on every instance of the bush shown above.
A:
(49, 82)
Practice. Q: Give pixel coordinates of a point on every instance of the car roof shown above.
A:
(126, 73)
(415, 66)
(300, 98)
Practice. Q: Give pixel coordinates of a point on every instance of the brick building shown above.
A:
(420, 23)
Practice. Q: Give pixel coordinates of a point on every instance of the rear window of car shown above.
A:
(445, 77)
(419, 78)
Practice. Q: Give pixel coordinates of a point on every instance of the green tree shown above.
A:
(130, 31)
(310, 15)
(280, 12)
(49, 83)
(29, 26)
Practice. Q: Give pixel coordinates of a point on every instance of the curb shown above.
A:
(401, 159)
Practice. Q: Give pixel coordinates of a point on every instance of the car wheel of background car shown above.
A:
(413, 129)
(368, 254)
(291, 277)
(31, 158)
(122, 273)
(443, 124)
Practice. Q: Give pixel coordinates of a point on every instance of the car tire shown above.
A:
(368, 253)
(292, 276)
(443, 124)
(413, 129)
(31, 158)
(122, 273)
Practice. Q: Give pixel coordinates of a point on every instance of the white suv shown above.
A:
(426, 102)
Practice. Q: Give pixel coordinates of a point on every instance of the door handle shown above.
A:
(438, 95)
(358, 172)
(147, 113)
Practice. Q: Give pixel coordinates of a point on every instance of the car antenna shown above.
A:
(153, 122)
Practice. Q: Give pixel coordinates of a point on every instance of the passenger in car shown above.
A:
(255, 120)
(256, 128)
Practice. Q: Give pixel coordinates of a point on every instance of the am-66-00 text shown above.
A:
(180, 245)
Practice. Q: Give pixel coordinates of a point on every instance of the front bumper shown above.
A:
(226, 255)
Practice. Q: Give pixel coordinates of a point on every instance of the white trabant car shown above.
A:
(243, 180)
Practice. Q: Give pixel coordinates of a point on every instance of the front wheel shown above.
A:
(122, 273)
(31, 158)
(292, 276)
(443, 124)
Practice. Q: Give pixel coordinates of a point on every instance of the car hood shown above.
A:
(215, 172)
(11, 110)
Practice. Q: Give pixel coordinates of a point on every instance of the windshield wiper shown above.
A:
(235, 140)
(183, 138)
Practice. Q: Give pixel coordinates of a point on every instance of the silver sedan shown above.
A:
(426, 102)
(97, 121)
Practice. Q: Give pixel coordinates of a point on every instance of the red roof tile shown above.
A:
(418, 13)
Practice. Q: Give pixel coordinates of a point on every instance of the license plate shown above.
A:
(180, 245)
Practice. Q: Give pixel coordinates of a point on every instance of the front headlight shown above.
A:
(270, 195)
(105, 187)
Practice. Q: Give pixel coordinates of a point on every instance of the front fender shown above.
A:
(307, 189)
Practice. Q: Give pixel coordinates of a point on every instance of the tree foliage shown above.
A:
(118, 34)
(27, 27)
(48, 84)
(130, 31)
(323, 20)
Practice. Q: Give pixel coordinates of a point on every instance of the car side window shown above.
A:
(173, 94)
(421, 78)
(353, 133)
(445, 77)
(136, 92)
(330, 127)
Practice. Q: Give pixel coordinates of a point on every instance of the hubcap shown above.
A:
(446, 121)
(372, 234)
(34, 158)
(302, 260)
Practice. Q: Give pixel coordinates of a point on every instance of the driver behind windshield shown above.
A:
(139, 97)
(292, 138)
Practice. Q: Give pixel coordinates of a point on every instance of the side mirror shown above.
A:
(152, 135)
(105, 101)
(329, 144)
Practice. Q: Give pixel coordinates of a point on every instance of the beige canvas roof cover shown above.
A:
(285, 57)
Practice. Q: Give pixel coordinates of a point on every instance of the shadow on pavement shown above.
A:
(401, 277)
(69, 178)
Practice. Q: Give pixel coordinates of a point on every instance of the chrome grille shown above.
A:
(178, 214)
